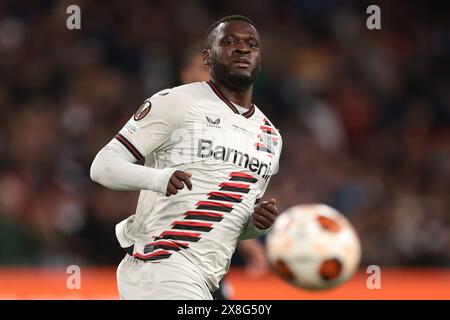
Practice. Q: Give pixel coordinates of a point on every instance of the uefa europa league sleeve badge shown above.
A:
(143, 110)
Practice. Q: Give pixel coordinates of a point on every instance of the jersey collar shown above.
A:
(216, 90)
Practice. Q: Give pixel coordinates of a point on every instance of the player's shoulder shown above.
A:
(269, 131)
(186, 92)
(171, 103)
(265, 121)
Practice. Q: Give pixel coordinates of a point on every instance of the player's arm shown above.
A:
(264, 212)
(116, 170)
(115, 164)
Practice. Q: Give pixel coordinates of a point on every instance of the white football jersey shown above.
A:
(231, 156)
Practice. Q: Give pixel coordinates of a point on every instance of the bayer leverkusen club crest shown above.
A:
(143, 110)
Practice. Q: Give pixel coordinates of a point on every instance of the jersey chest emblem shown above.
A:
(213, 122)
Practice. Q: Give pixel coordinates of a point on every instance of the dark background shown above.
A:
(364, 115)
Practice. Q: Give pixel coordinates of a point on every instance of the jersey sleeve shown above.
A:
(152, 124)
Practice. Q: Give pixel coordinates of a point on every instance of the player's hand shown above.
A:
(177, 182)
(265, 214)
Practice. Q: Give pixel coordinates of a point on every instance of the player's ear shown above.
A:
(205, 57)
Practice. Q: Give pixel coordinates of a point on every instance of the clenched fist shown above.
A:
(264, 214)
(176, 182)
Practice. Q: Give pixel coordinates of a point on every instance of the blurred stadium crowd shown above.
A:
(364, 115)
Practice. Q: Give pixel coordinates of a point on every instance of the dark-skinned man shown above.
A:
(209, 155)
(252, 251)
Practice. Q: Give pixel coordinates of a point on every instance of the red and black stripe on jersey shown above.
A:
(223, 196)
(211, 211)
(235, 187)
(267, 138)
(262, 147)
(203, 215)
(179, 235)
(267, 130)
(241, 176)
(166, 245)
(163, 254)
(214, 206)
(192, 225)
(129, 146)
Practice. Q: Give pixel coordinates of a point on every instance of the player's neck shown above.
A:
(241, 98)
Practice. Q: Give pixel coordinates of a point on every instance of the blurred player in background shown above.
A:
(252, 251)
(209, 155)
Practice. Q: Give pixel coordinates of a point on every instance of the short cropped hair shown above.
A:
(210, 31)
